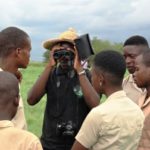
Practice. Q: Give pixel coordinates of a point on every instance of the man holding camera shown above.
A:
(67, 105)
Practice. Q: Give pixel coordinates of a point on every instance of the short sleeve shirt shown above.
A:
(113, 125)
(145, 138)
(16, 139)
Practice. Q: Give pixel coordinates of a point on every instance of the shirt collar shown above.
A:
(131, 78)
(116, 95)
(6, 124)
(142, 102)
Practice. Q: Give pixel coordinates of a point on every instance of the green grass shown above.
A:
(34, 114)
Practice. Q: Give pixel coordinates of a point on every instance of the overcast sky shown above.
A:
(113, 20)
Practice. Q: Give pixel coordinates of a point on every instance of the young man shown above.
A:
(117, 123)
(142, 79)
(133, 47)
(12, 138)
(15, 46)
(66, 105)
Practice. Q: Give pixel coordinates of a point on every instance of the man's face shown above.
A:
(24, 55)
(64, 54)
(142, 73)
(130, 54)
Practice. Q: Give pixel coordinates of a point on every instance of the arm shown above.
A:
(78, 146)
(91, 96)
(18, 75)
(88, 135)
(38, 89)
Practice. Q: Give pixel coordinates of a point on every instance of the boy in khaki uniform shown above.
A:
(12, 138)
(133, 47)
(142, 79)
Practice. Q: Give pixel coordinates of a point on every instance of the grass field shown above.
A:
(34, 114)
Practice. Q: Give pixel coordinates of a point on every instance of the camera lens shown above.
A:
(57, 54)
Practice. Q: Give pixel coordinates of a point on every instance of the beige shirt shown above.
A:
(16, 139)
(116, 124)
(19, 120)
(145, 139)
(131, 89)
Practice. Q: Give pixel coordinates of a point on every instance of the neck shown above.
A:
(111, 89)
(5, 116)
(148, 91)
(7, 65)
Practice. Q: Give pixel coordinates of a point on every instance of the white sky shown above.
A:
(113, 20)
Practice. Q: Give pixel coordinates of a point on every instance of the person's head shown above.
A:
(108, 70)
(142, 69)
(15, 45)
(64, 53)
(63, 48)
(9, 95)
(133, 47)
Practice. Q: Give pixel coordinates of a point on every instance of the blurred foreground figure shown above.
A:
(142, 79)
(12, 138)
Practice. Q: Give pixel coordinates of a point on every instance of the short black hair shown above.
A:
(136, 40)
(112, 62)
(10, 39)
(9, 88)
(146, 57)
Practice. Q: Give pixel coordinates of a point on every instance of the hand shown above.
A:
(51, 59)
(77, 63)
(18, 74)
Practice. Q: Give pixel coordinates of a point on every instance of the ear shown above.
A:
(18, 51)
(101, 78)
(16, 101)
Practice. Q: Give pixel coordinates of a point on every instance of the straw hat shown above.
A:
(67, 36)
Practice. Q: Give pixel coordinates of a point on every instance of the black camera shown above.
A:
(66, 129)
(63, 53)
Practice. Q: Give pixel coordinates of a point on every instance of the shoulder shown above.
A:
(30, 140)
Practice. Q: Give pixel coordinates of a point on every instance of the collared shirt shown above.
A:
(19, 120)
(131, 89)
(145, 138)
(116, 124)
(16, 139)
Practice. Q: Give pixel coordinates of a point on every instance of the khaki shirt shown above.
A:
(116, 124)
(145, 138)
(16, 139)
(131, 89)
(19, 120)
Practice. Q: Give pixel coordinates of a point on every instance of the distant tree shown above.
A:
(46, 56)
(98, 45)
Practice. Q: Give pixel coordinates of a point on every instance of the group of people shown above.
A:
(74, 116)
